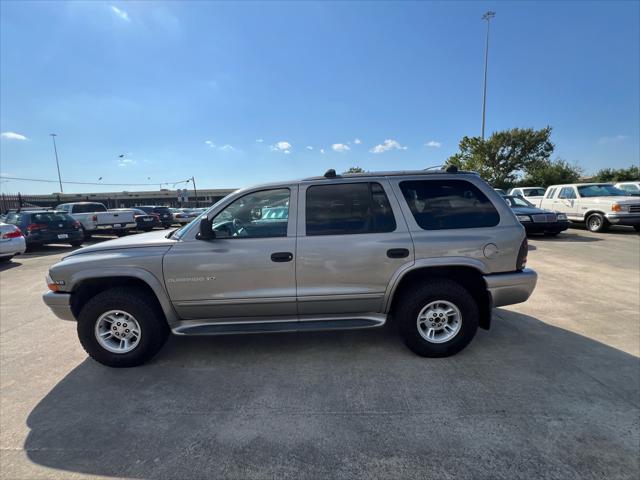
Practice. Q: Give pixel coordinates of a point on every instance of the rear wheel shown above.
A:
(637, 228)
(86, 235)
(437, 318)
(76, 243)
(121, 233)
(122, 327)
(597, 223)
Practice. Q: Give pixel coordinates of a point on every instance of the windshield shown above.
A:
(603, 190)
(514, 201)
(533, 192)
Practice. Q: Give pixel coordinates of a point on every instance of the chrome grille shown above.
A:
(634, 208)
(545, 218)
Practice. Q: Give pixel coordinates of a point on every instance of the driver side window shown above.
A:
(255, 215)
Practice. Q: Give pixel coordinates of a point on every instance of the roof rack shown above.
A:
(436, 170)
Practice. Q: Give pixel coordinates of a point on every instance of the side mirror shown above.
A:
(206, 233)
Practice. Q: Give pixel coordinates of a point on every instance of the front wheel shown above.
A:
(597, 223)
(122, 327)
(437, 318)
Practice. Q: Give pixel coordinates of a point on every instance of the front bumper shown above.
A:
(510, 288)
(623, 219)
(60, 304)
(532, 227)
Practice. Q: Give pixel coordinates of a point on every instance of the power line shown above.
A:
(4, 177)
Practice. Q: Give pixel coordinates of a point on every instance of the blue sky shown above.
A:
(242, 93)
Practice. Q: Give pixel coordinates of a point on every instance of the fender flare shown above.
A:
(132, 272)
(400, 273)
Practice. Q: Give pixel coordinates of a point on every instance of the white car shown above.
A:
(531, 194)
(11, 242)
(598, 205)
(632, 188)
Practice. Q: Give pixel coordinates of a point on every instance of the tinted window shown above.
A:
(348, 208)
(567, 193)
(600, 191)
(534, 192)
(448, 204)
(89, 208)
(161, 210)
(51, 217)
(250, 216)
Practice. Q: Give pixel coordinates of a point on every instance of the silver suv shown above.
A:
(434, 251)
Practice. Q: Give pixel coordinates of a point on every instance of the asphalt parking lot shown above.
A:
(551, 391)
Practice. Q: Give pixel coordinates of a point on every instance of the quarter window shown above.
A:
(348, 208)
(550, 193)
(251, 216)
(567, 193)
(448, 204)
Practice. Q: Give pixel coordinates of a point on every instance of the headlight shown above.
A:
(561, 216)
(523, 218)
(616, 207)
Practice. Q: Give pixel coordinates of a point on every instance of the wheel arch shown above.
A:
(469, 276)
(89, 283)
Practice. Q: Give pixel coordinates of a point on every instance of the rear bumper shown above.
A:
(629, 220)
(60, 304)
(112, 227)
(511, 288)
(52, 237)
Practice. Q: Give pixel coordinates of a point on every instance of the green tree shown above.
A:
(354, 170)
(551, 172)
(504, 156)
(618, 175)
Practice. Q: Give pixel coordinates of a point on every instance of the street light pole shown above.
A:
(487, 16)
(195, 190)
(55, 150)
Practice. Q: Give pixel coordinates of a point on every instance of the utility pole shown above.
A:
(55, 150)
(487, 16)
(195, 190)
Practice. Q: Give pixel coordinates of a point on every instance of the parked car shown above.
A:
(435, 251)
(144, 221)
(43, 227)
(631, 188)
(500, 191)
(537, 220)
(533, 194)
(164, 213)
(598, 205)
(183, 216)
(95, 218)
(12, 242)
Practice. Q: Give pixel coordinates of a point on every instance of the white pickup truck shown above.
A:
(598, 205)
(95, 218)
(531, 194)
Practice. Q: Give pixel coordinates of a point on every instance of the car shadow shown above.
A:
(613, 229)
(524, 400)
(565, 236)
(8, 265)
(58, 248)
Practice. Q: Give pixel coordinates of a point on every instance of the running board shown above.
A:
(213, 327)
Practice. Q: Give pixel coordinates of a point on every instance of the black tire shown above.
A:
(414, 300)
(76, 243)
(636, 228)
(597, 223)
(121, 233)
(86, 235)
(153, 326)
(148, 229)
(6, 258)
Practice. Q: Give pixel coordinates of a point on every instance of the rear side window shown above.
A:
(550, 193)
(567, 193)
(348, 208)
(448, 204)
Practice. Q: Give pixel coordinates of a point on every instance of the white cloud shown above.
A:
(614, 139)
(340, 147)
(126, 162)
(322, 151)
(433, 144)
(227, 148)
(309, 147)
(223, 148)
(12, 136)
(259, 140)
(387, 145)
(357, 141)
(284, 147)
(121, 14)
(210, 143)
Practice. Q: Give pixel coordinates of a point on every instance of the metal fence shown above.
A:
(9, 201)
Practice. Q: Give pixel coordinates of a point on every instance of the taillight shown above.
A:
(33, 227)
(15, 234)
(76, 225)
(522, 255)
(156, 215)
(94, 218)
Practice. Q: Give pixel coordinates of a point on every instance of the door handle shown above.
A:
(397, 253)
(281, 257)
